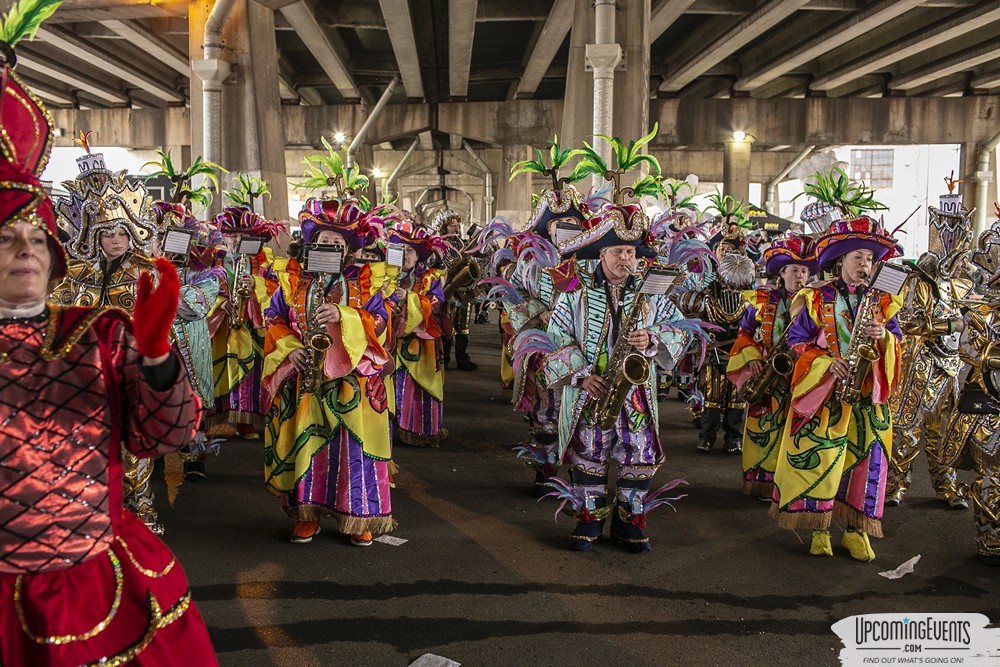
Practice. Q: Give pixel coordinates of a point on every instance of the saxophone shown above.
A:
(861, 352)
(241, 294)
(779, 363)
(317, 342)
(626, 368)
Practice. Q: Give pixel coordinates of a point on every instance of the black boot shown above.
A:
(589, 519)
(628, 518)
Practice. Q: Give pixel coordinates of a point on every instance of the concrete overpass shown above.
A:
(493, 75)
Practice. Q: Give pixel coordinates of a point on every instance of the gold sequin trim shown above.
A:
(157, 621)
(152, 574)
(66, 639)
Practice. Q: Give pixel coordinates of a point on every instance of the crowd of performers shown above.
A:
(131, 331)
(826, 387)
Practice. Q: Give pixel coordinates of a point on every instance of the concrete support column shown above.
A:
(631, 87)
(736, 170)
(514, 197)
(968, 166)
(252, 130)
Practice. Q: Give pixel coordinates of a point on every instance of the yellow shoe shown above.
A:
(821, 543)
(857, 543)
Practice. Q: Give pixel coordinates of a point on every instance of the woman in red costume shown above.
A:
(82, 581)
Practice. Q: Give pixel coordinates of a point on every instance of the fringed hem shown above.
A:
(358, 525)
(227, 423)
(855, 519)
(795, 520)
(758, 489)
(393, 468)
(417, 440)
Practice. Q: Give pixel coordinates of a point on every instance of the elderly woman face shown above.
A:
(25, 264)
(114, 243)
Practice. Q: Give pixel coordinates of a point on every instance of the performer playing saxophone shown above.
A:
(759, 360)
(834, 455)
(585, 327)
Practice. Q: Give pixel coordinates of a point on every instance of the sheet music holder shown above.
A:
(394, 253)
(659, 280)
(176, 241)
(889, 278)
(565, 231)
(321, 258)
(249, 245)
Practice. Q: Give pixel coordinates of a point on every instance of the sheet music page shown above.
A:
(394, 254)
(889, 278)
(565, 232)
(324, 260)
(176, 241)
(659, 281)
(249, 245)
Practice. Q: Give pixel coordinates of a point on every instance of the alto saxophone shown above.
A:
(861, 352)
(779, 363)
(626, 368)
(317, 341)
(241, 294)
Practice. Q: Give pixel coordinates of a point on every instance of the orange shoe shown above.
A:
(363, 540)
(304, 531)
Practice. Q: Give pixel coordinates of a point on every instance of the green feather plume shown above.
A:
(248, 189)
(183, 192)
(328, 171)
(835, 187)
(24, 18)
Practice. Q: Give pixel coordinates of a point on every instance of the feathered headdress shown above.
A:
(184, 191)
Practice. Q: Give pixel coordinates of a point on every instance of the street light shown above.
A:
(377, 173)
(339, 137)
(739, 135)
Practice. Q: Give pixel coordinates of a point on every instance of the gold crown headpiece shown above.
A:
(100, 201)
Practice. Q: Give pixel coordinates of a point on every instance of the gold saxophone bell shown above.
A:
(635, 368)
(320, 342)
(783, 364)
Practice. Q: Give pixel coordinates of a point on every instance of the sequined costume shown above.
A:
(763, 326)
(327, 452)
(82, 582)
(928, 383)
(834, 456)
(69, 554)
(585, 327)
(104, 201)
(418, 382)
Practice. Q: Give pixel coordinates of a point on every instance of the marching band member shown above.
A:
(419, 296)
(80, 385)
(834, 452)
(327, 443)
(971, 430)
(237, 323)
(759, 359)
(586, 328)
(932, 323)
(461, 298)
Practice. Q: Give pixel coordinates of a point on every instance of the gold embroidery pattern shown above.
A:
(157, 621)
(152, 574)
(66, 639)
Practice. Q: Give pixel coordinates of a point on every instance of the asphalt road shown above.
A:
(485, 577)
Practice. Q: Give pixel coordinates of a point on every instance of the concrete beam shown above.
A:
(461, 33)
(130, 128)
(50, 94)
(56, 70)
(76, 11)
(664, 14)
(300, 16)
(399, 22)
(986, 80)
(512, 10)
(549, 41)
(840, 33)
(962, 61)
(951, 28)
(343, 15)
(148, 42)
(770, 14)
(64, 40)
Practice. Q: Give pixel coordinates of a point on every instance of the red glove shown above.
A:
(155, 310)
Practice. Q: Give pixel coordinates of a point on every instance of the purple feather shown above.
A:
(656, 499)
(531, 454)
(575, 497)
(529, 342)
(496, 229)
(699, 331)
(504, 295)
(500, 256)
